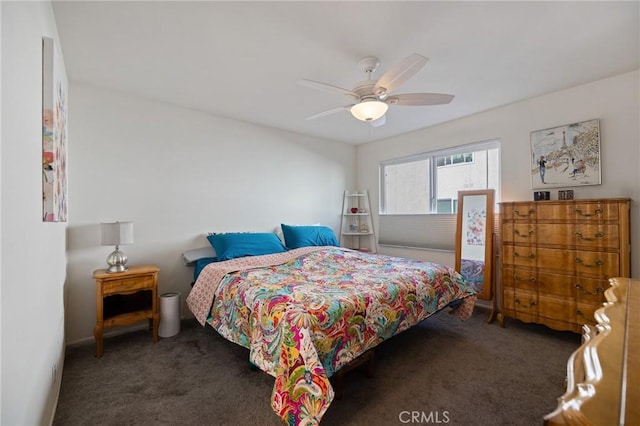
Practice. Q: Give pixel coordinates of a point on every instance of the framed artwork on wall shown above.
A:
(566, 156)
(54, 134)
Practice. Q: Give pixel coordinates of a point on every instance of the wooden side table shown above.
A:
(125, 298)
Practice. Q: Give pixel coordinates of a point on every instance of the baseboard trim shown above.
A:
(115, 332)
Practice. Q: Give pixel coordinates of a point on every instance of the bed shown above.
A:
(305, 313)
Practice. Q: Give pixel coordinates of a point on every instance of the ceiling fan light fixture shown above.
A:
(369, 109)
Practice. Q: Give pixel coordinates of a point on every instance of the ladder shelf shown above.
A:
(356, 224)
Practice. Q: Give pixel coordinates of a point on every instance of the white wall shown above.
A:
(177, 174)
(0, 217)
(33, 252)
(615, 101)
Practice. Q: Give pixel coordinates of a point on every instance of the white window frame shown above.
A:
(432, 156)
(429, 231)
(452, 164)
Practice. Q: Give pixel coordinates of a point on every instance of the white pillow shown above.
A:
(190, 256)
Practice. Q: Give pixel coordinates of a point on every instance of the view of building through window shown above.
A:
(429, 182)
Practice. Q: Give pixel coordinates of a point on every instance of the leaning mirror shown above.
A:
(474, 240)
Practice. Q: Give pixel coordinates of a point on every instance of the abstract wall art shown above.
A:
(54, 134)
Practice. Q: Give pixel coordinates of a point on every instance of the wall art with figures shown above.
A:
(566, 156)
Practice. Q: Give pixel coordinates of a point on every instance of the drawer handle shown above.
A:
(596, 235)
(530, 256)
(531, 303)
(596, 291)
(517, 277)
(527, 235)
(529, 213)
(596, 212)
(599, 262)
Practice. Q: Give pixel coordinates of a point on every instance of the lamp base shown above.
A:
(117, 261)
(117, 268)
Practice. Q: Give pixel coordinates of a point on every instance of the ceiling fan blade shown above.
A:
(379, 122)
(329, 112)
(418, 99)
(328, 88)
(398, 74)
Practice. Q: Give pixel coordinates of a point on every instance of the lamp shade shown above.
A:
(117, 233)
(369, 110)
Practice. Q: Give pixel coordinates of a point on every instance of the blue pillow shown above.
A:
(305, 236)
(234, 244)
(200, 264)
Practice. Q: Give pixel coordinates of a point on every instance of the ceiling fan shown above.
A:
(372, 98)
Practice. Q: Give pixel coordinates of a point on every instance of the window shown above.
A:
(447, 160)
(419, 194)
(446, 205)
(429, 183)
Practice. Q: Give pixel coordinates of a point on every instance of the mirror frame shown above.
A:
(487, 233)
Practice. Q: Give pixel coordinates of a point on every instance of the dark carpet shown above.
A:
(442, 371)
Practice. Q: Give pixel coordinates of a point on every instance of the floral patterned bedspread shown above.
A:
(308, 312)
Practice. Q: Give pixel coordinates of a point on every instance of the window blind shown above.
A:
(427, 231)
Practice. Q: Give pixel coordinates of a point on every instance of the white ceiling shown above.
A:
(242, 59)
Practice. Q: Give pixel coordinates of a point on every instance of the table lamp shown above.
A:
(115, 234)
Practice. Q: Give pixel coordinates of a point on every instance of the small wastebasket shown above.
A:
(169, 314)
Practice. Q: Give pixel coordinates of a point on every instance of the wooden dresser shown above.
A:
(556, 258)
(603, 375)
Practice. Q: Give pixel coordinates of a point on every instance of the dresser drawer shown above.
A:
(523, 279)
(521, 304)
(525, 301)
(525, 233)
(559, 260)
(125, 285)
(561, 211)
(595, 236)
(597, 264)
(590, 290)
(536, 305)
(580, 236)
(555, 284)
(568, 262)
(539, 210)
(556, 312)
(556, 308)
(595, 211)
(583, 289)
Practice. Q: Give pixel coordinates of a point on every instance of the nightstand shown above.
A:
(124, 298)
